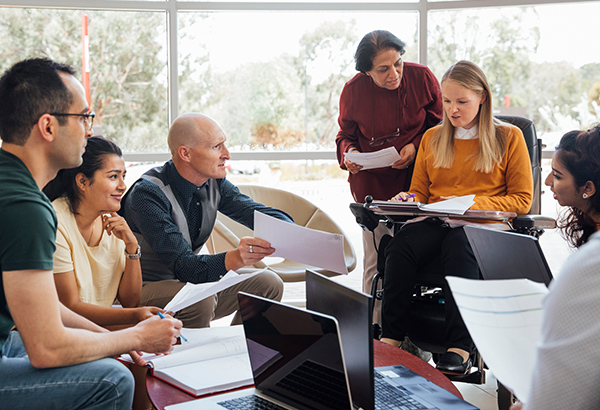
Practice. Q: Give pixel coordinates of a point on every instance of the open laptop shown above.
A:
(296, 359)
(383, 387)
(508, 255)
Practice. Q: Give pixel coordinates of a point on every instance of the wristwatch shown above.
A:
(136, 255)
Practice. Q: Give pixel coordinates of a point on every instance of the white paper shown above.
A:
(215, 359)
(458, 205)
(196, 337)
(192, 293)
(378, 159)
(299, 244)
(504, 319)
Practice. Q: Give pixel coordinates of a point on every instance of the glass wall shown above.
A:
(128, 65)
(271, 72)
(541, 62)
(273, 79)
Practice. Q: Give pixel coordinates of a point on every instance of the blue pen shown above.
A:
(409, 196)
(180, 335)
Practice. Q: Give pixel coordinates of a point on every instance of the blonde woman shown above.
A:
(470, 152)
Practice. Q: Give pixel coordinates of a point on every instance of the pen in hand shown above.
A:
(180, 335)
(400, 198)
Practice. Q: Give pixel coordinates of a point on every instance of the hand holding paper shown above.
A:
(316, 248)
(378, 159)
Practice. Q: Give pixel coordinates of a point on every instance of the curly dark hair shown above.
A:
(579, 152)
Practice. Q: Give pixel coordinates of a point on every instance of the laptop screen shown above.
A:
(508, 255)
(295, 354)
(352, 309)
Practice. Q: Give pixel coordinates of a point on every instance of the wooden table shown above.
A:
(162, 394)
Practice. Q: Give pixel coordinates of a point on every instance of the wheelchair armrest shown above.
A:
(533, 224)
(366, 218)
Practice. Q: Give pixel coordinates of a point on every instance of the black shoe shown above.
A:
(452, 363)
(415, 350)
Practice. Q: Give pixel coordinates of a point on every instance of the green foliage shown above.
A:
(328, 49)
(127, 70)
(291, 100)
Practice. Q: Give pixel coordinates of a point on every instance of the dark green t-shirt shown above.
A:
(27, 227)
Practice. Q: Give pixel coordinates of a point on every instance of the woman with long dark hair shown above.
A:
(96, 263)
(565, 372)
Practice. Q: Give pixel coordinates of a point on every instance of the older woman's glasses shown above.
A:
(88, 117)
(379, 141)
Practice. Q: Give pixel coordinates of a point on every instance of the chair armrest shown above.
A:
(533, 225)
(534, 221)
(366, 218)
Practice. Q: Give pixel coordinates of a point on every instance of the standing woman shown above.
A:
(469, 153)
(389, 103)
(97, 256)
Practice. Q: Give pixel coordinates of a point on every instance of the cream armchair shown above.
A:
(227, 233)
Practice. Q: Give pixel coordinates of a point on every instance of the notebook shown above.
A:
(508, 255)
(296, 359)
(382, 387)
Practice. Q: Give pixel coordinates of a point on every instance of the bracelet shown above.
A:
(136, 255)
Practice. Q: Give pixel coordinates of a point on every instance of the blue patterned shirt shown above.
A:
(148, 212)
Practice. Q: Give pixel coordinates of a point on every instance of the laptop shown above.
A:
(372, 388)
(508, 255)
(296, 360)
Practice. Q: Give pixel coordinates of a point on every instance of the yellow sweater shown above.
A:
(509, 187)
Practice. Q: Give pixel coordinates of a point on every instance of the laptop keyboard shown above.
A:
(317, 383)
(391, 397)
(250, 402)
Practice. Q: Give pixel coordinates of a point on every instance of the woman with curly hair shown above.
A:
(570, 327)
(575, 174)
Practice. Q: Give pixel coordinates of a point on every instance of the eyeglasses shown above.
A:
(89, 117)
(376, 142)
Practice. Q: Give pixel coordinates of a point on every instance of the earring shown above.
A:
(585, 195)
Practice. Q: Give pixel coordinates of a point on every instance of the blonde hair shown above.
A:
(492, 133)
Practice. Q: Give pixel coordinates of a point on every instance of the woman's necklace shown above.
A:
(89, 241)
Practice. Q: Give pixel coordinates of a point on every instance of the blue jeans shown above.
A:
(102, 384)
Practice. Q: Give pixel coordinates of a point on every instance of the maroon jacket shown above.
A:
(367, 111)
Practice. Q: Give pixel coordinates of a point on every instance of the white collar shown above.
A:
(466, 134)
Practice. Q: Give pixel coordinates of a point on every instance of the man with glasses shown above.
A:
(172, 210)
(54, 358)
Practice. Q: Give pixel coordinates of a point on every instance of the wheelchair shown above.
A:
(427, 317)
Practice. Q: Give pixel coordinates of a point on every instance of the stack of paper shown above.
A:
(455, 206)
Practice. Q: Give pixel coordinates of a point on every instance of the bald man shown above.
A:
(172, 210)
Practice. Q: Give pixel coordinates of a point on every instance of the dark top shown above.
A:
(149, 213)
(27, 227)
(368, 111)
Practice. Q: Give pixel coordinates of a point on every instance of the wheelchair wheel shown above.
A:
(505, 397)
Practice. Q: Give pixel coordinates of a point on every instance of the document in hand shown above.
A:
(299, 244)
(504, 319)
(378, 159)
(215, 359)
(195, 292)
